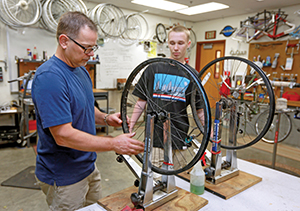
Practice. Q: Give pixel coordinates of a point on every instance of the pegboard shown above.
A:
(264, 49)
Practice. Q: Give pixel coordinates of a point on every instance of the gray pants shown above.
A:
(75, 196)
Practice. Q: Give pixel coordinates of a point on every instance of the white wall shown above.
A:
(20, 40)
(231, 44)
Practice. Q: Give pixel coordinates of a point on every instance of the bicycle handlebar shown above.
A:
(13, 80)
(21, 78)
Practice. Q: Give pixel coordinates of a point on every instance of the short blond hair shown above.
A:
(180, 28)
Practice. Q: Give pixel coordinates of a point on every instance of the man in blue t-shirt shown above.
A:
(66, 117)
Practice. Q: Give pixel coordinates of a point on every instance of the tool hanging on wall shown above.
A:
(289, 61)
(274, 63)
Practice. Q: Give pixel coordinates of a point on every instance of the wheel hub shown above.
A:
(23, 4)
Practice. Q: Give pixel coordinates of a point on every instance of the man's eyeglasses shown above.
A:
(86, 50)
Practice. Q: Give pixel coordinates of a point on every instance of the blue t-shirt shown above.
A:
(62, 94)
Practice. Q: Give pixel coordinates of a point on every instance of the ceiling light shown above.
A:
(160, 4)
(203, 8)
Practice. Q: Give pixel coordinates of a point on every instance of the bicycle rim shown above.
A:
(137, 29)
(111, 20)
(92, 14)
(285, 127)
(54, 9)
(193, 39)
(22, 12)
(161, 104)
(161, 33)
(240, 73)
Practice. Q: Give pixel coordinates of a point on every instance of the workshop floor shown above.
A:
(115, 176)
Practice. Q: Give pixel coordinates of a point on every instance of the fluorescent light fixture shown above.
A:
(160, 4)
(203, 8)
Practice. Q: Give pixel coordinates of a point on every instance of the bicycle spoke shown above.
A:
(285, 127)
(232, 91)
(160, 87)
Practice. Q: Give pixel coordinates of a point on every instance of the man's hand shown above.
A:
(125, 145)
(114, 120)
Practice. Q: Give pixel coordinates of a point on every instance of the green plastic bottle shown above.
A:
(197, 179)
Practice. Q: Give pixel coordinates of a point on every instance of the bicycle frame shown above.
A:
(271, 22)
(275, 22)
(296, 32)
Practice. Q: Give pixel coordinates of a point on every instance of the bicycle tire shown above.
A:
(161, 33)
(285, 127)
(212, 84)
(128, 101)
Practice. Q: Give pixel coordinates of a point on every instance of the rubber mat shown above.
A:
(24, 179)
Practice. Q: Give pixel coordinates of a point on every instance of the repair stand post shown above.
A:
(276, 140)
(220, 171)
(146, 197)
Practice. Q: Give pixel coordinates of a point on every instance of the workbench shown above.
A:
(12, 131)
(276, 191)
(100, 94)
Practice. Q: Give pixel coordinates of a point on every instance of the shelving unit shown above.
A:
(25, 65)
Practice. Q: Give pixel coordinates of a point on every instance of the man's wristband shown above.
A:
(105, 119)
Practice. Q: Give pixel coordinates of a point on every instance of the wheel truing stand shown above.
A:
(219, 171)
(149, 197)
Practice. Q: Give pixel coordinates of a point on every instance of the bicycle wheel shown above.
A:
(193, 39)
(111, 20)
(21, 12)
(285, 127)
(170, 91)
(240, 83)
(137, 29)
(53, 10)
(161, 33)
(92, 14)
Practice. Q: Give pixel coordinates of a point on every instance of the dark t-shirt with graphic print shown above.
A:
(167, 87)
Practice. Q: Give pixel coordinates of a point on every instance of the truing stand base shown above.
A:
(160, 198)
(225, 175)
(230, 187)
(184, 201)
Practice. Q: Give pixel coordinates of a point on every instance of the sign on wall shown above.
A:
(227, 31)
(210, 35)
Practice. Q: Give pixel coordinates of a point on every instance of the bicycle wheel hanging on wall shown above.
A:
(242, 83)
(162, 84)
(137, 29)
(193, 39)
(19, 13)
(92, 14)
(161, 33)
(110, 19)
(53, 10)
